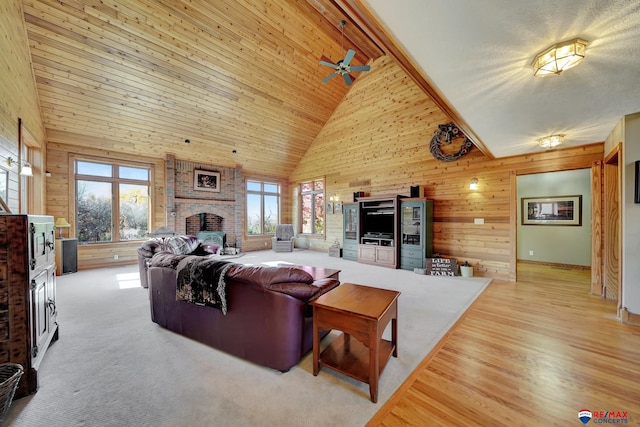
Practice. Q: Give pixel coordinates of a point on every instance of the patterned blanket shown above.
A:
(201, 281)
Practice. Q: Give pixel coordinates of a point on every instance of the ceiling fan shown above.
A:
(344, 67)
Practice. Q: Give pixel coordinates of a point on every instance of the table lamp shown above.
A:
(60, 224)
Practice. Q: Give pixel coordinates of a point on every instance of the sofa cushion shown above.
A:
(148, 248)
(265, 275)
(181, 245)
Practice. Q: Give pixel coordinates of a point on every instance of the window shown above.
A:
(112, 202)
(312, 207)
(263, 207)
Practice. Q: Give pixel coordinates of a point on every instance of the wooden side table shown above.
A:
(362, 312)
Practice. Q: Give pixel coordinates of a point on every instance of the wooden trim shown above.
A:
(613, 261)
(370, 25)
(513, 226)
(556, 265)
(596, 228)
(628, 317)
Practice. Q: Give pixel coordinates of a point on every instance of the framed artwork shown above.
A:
(637, 188)
(337, 207)
(329, 208)
(557, 210)
(206, 181)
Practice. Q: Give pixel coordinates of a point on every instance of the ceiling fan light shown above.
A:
(559, 57)
(551, 141)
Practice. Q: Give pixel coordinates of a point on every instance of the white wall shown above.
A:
(630, 217)
(554, 243)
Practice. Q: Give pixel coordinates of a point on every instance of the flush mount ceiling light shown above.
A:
(559, 57)
(551, 141)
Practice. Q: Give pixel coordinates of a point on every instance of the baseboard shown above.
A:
(556, 265)
(630, 318)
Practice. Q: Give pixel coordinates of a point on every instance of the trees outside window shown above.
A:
(312, 205)
(112, 202)
(263, 207)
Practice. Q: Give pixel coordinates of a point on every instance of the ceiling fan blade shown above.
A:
(347, 59)
(347, 79)
(329, 77)
(360, 68)
(329, 64)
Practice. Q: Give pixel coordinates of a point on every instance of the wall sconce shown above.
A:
(25, 170)
(60, 224)
(551, 141)
(559, 57)
(473, 185)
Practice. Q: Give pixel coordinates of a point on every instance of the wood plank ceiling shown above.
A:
(142, 76)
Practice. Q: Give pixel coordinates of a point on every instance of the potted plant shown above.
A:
(466, 270)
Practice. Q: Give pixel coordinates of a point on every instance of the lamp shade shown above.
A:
(559, 57)
(26, 170)
(62, 223)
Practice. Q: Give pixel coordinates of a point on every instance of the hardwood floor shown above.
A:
(531, 353)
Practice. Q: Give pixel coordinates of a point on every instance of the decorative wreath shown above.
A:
(445, 135)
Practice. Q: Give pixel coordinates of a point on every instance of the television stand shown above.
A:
(379, 226)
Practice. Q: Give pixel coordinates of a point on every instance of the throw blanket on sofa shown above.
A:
(201, 281)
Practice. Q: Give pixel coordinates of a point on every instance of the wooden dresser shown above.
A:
(27, 294)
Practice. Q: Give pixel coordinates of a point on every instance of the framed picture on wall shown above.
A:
(206, 181)
(557, 210)
(337, 207)
(329, 208)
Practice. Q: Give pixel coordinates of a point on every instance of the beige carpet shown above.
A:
(112, 366)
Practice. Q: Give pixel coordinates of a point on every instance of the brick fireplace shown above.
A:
(190, 211)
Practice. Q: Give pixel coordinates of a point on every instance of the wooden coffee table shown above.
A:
(362, 312)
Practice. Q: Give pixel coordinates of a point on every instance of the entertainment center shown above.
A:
(391, 231)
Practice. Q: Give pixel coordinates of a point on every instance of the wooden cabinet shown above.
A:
(28, 315)
(416, 219)
(351, 232)
(379, 231)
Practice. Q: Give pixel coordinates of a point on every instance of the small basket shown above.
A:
(10, 374)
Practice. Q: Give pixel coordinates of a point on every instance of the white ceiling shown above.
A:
(478, 55)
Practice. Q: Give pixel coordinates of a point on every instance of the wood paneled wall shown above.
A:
(18, 96)
(377, 141)
(61, 194)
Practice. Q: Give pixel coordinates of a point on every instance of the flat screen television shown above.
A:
(378, 222)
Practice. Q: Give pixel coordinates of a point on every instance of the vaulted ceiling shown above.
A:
(240, 79)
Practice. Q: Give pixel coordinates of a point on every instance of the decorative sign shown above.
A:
(442, 267)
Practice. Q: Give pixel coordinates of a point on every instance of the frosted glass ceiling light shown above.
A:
(551, 141)
(559, 57)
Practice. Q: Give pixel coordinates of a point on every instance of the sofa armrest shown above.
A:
(305, 291)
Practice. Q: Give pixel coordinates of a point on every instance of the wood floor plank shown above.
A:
(529, 353)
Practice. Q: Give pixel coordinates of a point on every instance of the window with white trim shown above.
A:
(112, 201)
(312, 207)
(263, 207)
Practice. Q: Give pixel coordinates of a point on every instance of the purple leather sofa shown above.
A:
(268, 320)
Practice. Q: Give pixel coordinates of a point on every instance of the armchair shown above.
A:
(283, 240)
